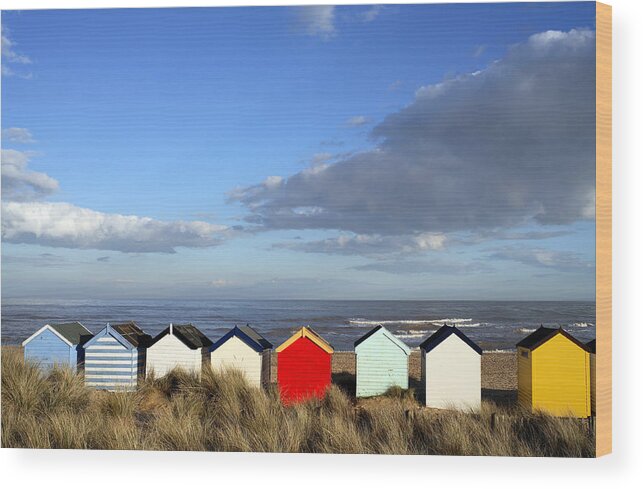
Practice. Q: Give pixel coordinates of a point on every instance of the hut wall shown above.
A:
(561, 378)
(380, 365)
(452, 376)
(592, 375)
(47, 350)
(235, 354)
(169, 353)
(303, 371)
(266, 360)
(524, 378)
(110, 365)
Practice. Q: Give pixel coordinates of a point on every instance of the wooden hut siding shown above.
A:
(111, 365)
(561, 378)
(380, 364)
(524, 377)
(266, 367)
(592, 376)
(452, 375)
(237, 355)
(303, 371)
(47, 350)
(169, 353)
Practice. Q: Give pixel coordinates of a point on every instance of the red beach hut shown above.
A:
(303, 366)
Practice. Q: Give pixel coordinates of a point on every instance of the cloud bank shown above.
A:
(21, 183)
(510, 145)
(59, 224)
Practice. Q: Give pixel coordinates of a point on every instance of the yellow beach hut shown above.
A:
(554, 373)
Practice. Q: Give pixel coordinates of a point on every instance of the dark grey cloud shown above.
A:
(103, 258)
(502, 147)
(563, 261)
(436, 266)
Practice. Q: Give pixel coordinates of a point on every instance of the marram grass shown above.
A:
(221, 412)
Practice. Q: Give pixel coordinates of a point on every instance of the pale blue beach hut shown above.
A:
(57, 344)
(115, 357)
(382, 362)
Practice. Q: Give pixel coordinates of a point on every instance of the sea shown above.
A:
(494, 325)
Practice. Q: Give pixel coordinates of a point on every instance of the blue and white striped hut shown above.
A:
(57, 344)
(115, 357)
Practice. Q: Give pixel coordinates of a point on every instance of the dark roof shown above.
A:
(442, 334)
(74, 332)
(190, 335)
(132, 333)
(367, 335)
(591, 346)
(246, 334)
(542, 335)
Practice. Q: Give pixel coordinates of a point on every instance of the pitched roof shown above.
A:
(442, 334)
(70, 333)
(74, 332)
(386, 333)
(246, 334)
(132, 333)
(306, 332)
(591, 346)
(542, 335)
(189, 335)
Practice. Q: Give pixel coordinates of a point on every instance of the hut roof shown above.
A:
(246, 334)
(132, 333)
(386, 333)
(591, 346)
(72, 333)
(306, 332)
(188, 334)
(442, 334)
(542, 335)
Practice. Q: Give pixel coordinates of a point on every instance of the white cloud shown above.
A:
(316, 20)
(358, 120)
(564, 261)
(509, 146)
(17, 135)
(11, 56)
(371, 14)
(370, 245)
(64, 225)
(21, 183)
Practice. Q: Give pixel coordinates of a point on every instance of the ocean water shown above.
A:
(493, 325)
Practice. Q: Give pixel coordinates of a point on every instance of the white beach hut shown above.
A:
(242, 348)
(178, 346)
(451, 370)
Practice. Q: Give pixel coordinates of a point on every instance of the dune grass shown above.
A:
(221, 412)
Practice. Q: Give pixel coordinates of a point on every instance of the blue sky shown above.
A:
(371, 152)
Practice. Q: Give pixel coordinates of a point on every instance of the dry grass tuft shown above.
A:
(221, 412)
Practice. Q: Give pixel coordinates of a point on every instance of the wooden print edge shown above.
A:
(603, 229)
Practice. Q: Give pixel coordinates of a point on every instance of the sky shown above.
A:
(421, 152)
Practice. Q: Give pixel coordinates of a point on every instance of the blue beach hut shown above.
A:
(382, 362)
(115, 357)
(57, 344)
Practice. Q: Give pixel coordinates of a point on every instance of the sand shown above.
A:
(499, 374)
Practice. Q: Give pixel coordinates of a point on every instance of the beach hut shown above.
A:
(382, 361)
(451, 370)
(242, 348)
(177, 346)
(115, 357)
(554, 373)
(303, 366)
(591, 347)
(57, 344)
